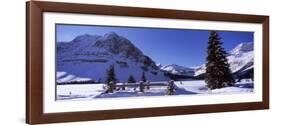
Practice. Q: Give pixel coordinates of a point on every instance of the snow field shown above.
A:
(92, 91)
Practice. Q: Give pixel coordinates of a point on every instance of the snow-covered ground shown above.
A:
(78, 92)
(199, 87)
(91, 91)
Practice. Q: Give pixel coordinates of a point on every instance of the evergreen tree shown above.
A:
(218, 74)
(141, 86)
(252, 75)
(110, 87)
(143, 78)
(131, 79)
(111, 74)
(171, 87)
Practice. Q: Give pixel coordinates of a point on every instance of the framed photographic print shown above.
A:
(95, 62)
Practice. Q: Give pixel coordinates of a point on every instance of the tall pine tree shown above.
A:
(218, 74)
(131, 79)
(111, 74)
(143, 78)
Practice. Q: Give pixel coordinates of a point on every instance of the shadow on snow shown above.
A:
(245, 85)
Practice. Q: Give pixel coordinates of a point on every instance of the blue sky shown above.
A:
(166, 46)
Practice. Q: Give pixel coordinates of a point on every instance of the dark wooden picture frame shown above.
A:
(34, 61)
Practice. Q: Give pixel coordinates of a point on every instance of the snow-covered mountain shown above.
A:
(241, 59)
(178, 70)
(89, 57)
(242, 48)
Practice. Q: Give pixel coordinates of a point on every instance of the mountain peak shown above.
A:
(242, 48)
(111, 35)
(176, 66)
(179, 70)
(85, 37)
(113, 42)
